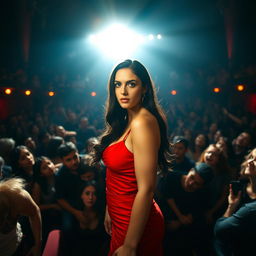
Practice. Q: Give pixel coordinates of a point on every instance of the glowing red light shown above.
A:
(93, 94)
(216, 90)
(173, 92)
(51, 93)
(240, 87)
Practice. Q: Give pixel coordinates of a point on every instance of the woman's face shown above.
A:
(200, 140)
(211, 156)
(89, 196)
(26, 159)
(250, 168)
(47, 168)
(128, 89)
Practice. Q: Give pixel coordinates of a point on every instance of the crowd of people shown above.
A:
(47, 154)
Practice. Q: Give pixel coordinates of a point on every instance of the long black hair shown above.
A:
(116, 118)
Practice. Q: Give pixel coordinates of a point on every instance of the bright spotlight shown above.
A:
(173, 92)
(159, 36)
(93, 94)
(117, 41)
(51, 93)
(151, 37)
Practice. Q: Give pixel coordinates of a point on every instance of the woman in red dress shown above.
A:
(133, 147)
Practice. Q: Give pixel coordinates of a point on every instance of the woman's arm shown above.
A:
(145, 136)
(27, 207)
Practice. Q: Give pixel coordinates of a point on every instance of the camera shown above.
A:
(237, 186)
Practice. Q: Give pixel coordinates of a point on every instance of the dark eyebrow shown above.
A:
(133, 80)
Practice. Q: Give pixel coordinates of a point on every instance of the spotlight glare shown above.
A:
(51, 93)
(93, 94)
(159, 36)
(8, 91)
(151, 37)
(117, 41)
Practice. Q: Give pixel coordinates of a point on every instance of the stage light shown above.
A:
(240, 87)
(27, 92)
(8, 91)
(173, 92)
(216, 89)
(93, 94)
(117, 41)
(159, 36)
(151, 37)
(51, 93)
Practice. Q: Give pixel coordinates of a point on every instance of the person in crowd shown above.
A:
(240, 145)
(43, 141)
(67, 184)
(31, 145)
(182, 162)
(91, 238)
(5, 171)
(6, 147)
(44, 194)
(84, 132)
(200, 144)
(22, 164)
(218, 188)
(235, 231)
(134, 144)
(52, 149)
(15, 202)
(186, 206)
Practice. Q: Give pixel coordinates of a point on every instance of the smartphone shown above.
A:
(237, 186)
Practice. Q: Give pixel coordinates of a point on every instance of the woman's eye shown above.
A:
(117, 84)
(132, 84)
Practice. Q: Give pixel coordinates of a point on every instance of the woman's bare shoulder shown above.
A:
(144, 119)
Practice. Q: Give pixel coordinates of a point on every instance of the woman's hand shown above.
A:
(233, 200)
(125, 251)
(107, 223)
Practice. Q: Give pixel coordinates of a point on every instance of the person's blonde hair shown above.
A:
(13, 185)
(245, 162)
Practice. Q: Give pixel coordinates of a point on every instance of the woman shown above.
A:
(43, 193)
(218, 187)
(235, 231)
(91, 237)
(14, 203)
(133, 146)
(22, 164)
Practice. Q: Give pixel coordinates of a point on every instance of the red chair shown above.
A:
(52, 247)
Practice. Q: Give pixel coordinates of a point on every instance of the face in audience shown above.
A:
(200, 141)
(179, 150)
(250, 168)
(193, 181)
(71, 161)
(89, 196)
(211, 155)
(88, 176)
(26, 159)
(47, 168)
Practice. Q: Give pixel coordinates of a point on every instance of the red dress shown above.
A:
(121, 189)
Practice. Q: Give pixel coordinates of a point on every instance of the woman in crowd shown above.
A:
(22, 164)
(201, 142)
(133, 146)
(91, 238)
(218, 188)
(235, 232)
(43, 193)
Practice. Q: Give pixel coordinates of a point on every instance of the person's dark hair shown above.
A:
(15, 155)
(85, 166)
(180, 139)
(116, 117)
(53, 145)
(66, 148)
(37, 173)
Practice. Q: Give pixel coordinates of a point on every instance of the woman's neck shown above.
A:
(28, 170)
